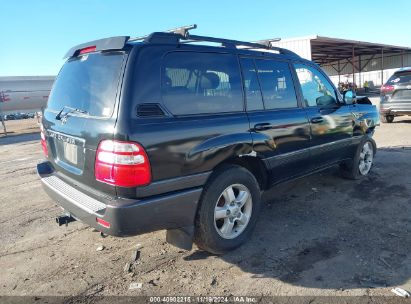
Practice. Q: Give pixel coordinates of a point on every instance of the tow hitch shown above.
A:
(64, 219)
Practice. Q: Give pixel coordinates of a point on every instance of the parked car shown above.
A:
(158, 133)
(396, 96)
(11, 117)
(18, 116)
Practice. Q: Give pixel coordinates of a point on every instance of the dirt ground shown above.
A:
(21, 126)
(317, 236)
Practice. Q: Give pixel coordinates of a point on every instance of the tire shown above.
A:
(362, 162)
(221, 226)
(387, 118)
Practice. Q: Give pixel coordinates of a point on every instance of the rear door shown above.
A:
(81, 111)
(202, 120)
(331, 121)
(279, 125)
(401, 90)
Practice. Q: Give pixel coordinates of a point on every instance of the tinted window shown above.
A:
(276, 84)
(314, 85)
(201, 83)
(399, 77)
(88, 83)
(251, 86)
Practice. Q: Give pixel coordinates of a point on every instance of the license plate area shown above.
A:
(70, 153)
(67, 151)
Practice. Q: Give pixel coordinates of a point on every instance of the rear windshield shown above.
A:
(88, 83)
(400, 77)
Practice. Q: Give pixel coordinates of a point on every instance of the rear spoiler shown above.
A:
(112, 43)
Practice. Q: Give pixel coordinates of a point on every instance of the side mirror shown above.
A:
(350, 97)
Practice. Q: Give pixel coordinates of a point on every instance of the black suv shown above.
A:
(396, 96)
(161, 133)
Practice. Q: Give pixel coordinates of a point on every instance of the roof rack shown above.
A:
(181, 34)
(268, 42)
(182, 30)
(177, 35)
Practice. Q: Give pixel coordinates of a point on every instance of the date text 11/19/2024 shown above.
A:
(203, 299)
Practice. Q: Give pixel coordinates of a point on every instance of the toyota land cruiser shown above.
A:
(161, 133)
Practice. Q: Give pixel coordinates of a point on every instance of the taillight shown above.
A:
(43, 141)
(123, 164)
(387, 88)
(88, 49)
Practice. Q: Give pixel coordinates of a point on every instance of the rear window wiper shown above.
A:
(72, 110)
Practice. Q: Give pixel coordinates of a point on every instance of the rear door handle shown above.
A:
(317, 120)
(262, 126)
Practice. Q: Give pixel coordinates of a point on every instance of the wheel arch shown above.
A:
(374, 144)
(253, 164)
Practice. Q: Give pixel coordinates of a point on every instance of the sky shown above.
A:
(35, 35)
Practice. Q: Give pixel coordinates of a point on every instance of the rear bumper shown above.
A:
(126, 217)
(395, 108)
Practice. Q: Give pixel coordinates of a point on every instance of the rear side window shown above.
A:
(399, 78)
(276, 84)
(201, 83)
(88, 83)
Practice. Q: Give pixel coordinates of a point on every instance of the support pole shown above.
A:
(402, 58)
(339, 73)
(1, 113)
(3, 123)
(382, 66)
(359, 72)
(353, 65)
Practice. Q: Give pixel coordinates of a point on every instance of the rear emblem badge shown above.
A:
(63, 120)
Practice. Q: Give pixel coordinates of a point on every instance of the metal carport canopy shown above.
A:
(326, 50)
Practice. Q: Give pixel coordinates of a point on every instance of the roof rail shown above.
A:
(181, 34)
(267, 43)
(264, 44)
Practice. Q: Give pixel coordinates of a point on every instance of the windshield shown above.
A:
(400, 77)
(88, 83)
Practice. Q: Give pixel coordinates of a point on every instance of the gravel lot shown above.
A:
(317, 236)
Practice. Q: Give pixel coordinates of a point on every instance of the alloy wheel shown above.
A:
(233, 211)
(366, 158)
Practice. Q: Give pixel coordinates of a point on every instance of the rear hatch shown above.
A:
(82, 111)
(398, 87)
